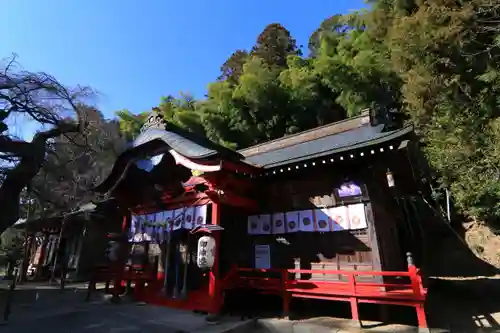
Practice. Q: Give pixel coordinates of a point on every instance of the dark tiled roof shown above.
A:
(56, 219)
(185, 143)
(358, 137)
(157, 137)
(312, 134)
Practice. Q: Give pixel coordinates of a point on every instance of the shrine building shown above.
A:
(329, 213)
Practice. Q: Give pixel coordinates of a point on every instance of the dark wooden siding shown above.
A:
(340, 250)
(379, 247)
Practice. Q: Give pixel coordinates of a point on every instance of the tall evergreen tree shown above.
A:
(232, 68)
(274, 45)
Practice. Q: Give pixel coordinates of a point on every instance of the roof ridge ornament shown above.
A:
(154, 120)
(392, 118)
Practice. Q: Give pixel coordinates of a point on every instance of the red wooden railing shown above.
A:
(353, 291)
(119, 274)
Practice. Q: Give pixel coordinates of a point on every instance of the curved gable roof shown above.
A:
(158, 137)
(182, 141)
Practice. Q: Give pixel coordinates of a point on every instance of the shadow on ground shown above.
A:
(40, 299)
(447, 255)
(465, 305)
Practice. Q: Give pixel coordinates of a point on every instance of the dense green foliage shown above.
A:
(436, 60)
(261, 94)
(11, 246)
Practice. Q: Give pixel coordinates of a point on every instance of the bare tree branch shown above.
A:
(42, 98)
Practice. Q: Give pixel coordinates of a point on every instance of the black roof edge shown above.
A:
(364, 114)
(203, 141)
(389, 136)
(73, 212)
(155, 120)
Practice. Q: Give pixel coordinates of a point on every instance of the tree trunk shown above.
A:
(17, 179)
(32, 156)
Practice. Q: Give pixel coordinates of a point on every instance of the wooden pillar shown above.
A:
(122, 257)
(214, 283)
(57, 254)
(81, 240)
(28, 244)
(41, 257)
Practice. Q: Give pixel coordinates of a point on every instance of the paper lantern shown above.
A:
(206, 252)
(390, 179)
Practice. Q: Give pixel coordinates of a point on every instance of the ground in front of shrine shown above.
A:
(109, 318)
(132, 318)
(45, 308)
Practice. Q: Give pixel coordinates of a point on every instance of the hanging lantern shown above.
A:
(390, 179)
(206, 252)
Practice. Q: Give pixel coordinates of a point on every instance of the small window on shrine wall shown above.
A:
(350, 192)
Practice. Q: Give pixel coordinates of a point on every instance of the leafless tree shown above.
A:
(75, 164)
(41, 98)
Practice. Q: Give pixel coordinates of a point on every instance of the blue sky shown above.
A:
(133, 52)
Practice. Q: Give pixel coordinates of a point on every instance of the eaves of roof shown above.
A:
(356, 138)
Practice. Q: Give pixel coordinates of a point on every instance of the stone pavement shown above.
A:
(331, 325)
(46, 307)
(41, 300)
(108, 318)
(111, 318)
(134, 317)
(339, 325)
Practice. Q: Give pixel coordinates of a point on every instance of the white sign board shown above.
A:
(262, 256)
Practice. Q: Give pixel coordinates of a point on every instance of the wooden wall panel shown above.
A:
(374, 248)
(333, 250)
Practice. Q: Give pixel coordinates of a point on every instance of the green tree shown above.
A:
(445, 52)
(260, 96)
(434, 60)
(335, 26)
(130, 124)
(232, 68)
(313, 103)
(11, 248)
(183, 111)
(353, 63)
(274, 45)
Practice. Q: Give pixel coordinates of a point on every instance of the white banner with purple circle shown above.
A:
(350, 217)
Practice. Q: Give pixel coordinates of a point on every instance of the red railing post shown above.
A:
(416, 285)
(286, 294)
(351, 290)
(353, 300)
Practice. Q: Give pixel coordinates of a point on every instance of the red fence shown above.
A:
(278, 282)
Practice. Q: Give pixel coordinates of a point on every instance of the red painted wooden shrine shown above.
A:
(299, 173)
